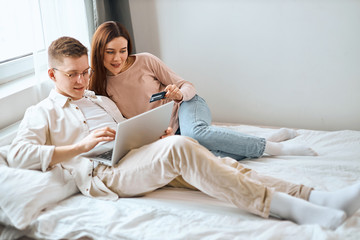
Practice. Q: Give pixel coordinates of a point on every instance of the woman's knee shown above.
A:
(197, 132)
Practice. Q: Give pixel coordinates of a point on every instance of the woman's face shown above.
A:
(115, 55)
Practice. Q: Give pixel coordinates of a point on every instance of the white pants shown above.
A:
(177, 157)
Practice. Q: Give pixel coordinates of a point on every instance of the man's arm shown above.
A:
(28, 149)
(34, 145)
(64, 153)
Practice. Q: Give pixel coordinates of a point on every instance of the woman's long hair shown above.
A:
(102, 36)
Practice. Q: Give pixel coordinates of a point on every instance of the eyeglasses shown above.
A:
(75, 76)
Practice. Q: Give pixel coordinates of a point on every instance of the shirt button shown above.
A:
(89, 174)
(77, 108)
(87, 189)
(84, 122)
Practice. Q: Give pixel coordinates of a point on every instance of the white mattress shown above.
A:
(172, 213)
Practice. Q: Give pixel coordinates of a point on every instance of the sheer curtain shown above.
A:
(24, 80)
(58, 18)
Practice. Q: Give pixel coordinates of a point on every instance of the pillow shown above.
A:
(3, 153)
(4, 218)
(25, 193)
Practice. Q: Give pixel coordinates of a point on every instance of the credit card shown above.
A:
(157, 96)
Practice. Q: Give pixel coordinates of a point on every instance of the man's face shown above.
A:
(71, 76)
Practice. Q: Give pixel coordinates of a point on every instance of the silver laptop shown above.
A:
(133, 133)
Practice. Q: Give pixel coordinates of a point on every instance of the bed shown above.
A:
(35, 207)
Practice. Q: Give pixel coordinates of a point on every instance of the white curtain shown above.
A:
(29, 26)
(58, 18)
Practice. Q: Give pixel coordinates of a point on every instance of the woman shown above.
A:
(130, 80)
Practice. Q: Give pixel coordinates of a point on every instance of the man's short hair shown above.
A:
(65, 47)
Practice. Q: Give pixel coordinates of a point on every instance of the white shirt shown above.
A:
(96, 117)
(56, 121)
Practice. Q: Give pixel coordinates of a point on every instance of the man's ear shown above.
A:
(51, 74)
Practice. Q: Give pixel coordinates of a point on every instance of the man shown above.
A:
(72, 121)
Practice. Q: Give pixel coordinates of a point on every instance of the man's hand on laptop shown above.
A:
(64, 153)
(95, 137)
(168, 132)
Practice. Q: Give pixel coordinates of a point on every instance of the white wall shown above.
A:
(293, 63)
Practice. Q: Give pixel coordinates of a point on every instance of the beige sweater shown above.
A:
(131, 90)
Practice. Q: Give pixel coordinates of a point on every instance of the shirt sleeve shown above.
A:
(167, 76)
(29, 150)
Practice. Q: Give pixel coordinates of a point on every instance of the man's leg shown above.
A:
(304, 212)
(289, 200)
(346, 199)
(155, 165)
(279, 185)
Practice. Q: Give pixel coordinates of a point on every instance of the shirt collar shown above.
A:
(58, 98)
(62, 100)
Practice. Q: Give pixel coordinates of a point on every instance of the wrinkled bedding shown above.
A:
(174, 213)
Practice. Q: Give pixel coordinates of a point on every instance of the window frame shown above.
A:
(16, 68)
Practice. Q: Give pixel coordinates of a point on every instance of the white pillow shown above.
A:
(3, 153)
(4, 218)
(25, 193)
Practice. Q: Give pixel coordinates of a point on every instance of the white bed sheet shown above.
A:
(172, 213)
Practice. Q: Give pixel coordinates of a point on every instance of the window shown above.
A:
(19, 27)
(27, 27)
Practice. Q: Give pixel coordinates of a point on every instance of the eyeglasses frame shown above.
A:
(76, 75)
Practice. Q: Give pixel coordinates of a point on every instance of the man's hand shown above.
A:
(64, 153)
(173, 92)
(168, 132)
(95, 137)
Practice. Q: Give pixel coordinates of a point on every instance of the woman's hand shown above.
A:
(168, 132)
(173, 92)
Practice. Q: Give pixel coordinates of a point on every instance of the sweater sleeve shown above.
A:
(167, 76)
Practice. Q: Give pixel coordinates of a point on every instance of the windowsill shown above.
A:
(16, 96)
(22, 83)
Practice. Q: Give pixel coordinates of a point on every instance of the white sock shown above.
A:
(346, 199)
(282, 149)
(303, 212)
(282, 134)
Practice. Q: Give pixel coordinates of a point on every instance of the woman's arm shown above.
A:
(168, 78)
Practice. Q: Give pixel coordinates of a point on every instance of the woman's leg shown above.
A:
(195, 122)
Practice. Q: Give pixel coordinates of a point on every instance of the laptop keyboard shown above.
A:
(106, 155)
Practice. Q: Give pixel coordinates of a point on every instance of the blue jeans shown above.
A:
(195, 122)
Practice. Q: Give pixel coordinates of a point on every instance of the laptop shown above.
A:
(133, 133)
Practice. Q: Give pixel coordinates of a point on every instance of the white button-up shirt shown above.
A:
(56, 121)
